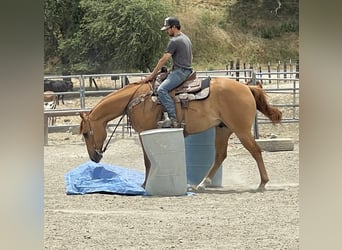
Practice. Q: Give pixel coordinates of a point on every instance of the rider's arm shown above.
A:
(159, 65)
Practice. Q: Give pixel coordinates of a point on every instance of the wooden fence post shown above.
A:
(278, 75)
(285, 70)
(244, 71)
(231, 67)
(251, 68)
(269, 72)
(291, 68)
(237, 69)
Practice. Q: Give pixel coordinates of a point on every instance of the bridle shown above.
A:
(91, 133)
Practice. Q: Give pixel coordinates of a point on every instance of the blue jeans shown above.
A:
(173, 80)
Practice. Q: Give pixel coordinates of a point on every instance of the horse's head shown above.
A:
(94, 134)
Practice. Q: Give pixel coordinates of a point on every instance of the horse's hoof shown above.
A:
(261, 188)
(200, 187)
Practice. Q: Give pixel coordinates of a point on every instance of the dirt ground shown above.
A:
(233, 216)
(230, 217)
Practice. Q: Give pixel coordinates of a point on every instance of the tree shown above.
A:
(61, 21)
(107, 36)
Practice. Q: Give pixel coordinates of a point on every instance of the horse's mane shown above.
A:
(136, 83)
(114, 92)
(141, 82)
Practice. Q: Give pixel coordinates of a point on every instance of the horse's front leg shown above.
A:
(221, 144)
(147, 167)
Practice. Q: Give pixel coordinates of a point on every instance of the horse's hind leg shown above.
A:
(250, 144)
(221, 143)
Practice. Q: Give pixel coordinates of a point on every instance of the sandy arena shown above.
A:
(231, 217)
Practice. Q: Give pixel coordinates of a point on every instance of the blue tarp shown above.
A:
(92, 177)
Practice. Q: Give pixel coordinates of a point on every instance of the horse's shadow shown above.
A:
(235, 191)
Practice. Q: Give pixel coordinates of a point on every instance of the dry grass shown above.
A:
(218, 39)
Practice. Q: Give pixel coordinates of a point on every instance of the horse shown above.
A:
(230, 107)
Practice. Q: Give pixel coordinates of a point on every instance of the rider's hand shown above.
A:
(148, 78)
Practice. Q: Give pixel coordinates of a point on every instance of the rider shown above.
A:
(180, 49)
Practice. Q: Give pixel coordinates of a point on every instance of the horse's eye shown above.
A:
(85, 135)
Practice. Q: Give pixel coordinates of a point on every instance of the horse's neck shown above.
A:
(114, 104)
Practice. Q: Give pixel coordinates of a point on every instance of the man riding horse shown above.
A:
(180, 49)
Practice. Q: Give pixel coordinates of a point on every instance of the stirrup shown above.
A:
(174, 123)
(167, 122)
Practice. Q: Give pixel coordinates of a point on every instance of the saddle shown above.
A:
(191, 89)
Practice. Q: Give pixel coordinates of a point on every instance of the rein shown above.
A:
(105, 148)
(129, 104)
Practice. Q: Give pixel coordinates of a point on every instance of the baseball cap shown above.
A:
(169, 22)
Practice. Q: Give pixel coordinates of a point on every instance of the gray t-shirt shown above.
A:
(180, 48)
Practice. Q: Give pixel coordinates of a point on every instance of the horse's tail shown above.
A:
(273, 113)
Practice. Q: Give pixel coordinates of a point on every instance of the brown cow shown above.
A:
(50, 102)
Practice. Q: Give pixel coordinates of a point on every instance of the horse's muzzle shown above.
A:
(96, 157)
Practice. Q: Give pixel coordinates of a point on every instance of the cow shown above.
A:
(50, 102)
(64, 85)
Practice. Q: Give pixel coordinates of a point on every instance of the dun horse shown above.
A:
(230, 108)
